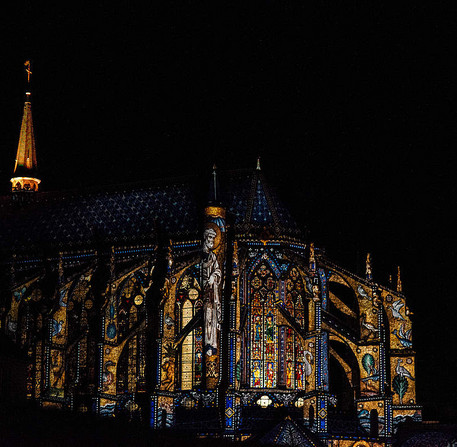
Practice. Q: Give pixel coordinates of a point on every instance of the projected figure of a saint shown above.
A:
(212, 276)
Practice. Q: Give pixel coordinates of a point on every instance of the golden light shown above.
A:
(264, 401)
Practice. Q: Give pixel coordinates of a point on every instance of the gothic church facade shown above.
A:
(219, 320)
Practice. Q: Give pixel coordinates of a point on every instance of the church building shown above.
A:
(202, 312)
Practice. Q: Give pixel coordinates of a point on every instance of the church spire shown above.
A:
(214, 196)
(399, 285)
(368, 269)
(24, 174)
(215, 188)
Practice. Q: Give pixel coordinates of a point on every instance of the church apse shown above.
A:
(222, 329)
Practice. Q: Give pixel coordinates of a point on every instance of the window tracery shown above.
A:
(263, 362)
(189, 303)
(276, 355)
(132, 361)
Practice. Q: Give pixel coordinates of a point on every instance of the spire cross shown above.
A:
(28, 70)
(215, 182)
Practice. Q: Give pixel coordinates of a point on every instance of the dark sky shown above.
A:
(350, 104)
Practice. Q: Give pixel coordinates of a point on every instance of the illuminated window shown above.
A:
(263, 362)
(188, 304)
(187, 348)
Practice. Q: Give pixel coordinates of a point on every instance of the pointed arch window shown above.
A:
(294, 296)
(292, 361)
(187, 349)
(28, 316)
(189, 303)
(263, 292)
(130, 375)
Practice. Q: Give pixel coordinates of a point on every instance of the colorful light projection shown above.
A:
(213, 266)
(263, 353)
(188, 304)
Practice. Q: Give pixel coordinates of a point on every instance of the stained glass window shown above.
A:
(187, 348)
(76, 323)
(294, 296)
(263, 353)
(275, 355)
(131, 310)
(189, 303)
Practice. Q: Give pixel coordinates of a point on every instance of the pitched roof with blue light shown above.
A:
(131, 214)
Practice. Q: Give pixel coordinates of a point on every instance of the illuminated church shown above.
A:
(200, 312)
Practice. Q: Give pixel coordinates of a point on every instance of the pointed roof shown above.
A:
(26, 163)
(289, 433)
(256, 206)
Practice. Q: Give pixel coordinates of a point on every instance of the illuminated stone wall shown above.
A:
(124, 333)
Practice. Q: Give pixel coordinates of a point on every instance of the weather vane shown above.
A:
(28, 70)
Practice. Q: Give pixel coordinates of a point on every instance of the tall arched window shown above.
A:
(130, 373)
(293, 363)
(27, 318)
(263, 292)
(188, 304)
(187, 350)
(294, 296)
(77, 337)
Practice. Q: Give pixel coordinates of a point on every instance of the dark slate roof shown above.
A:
(427, 434)
(289, 433)
(135, 213)
(255, 205)
(435, 439)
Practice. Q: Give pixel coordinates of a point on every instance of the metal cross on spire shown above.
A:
(28, 70)
(215, 182)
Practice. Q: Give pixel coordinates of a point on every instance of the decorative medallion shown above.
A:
(193, 294)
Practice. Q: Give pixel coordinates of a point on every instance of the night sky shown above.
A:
(350, 104)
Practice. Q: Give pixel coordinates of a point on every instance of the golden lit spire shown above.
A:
(368, 271)
(399, 286)
(26, 165)
(258, 168)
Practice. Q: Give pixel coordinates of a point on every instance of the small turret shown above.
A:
(312, 258)
(213, 267)
(25, 168)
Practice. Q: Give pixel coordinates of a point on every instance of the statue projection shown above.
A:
(212, 276)
(212, 279)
